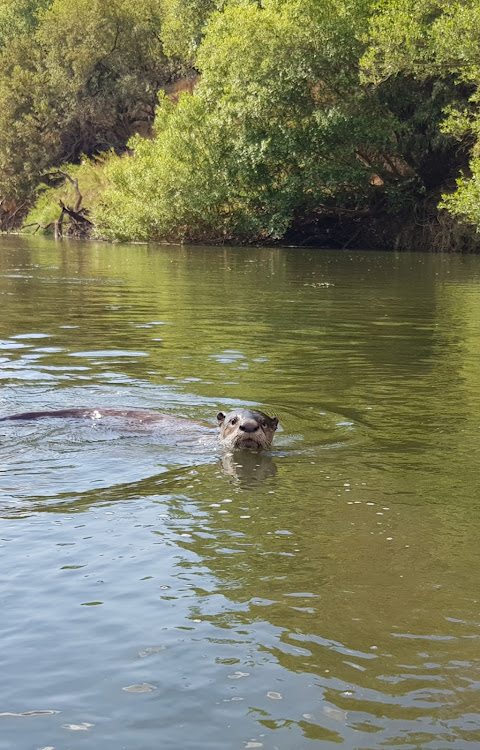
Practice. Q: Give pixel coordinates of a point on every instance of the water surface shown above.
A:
(156, 592)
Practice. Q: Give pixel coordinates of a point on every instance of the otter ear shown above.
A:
(220, 417)
(274, 423)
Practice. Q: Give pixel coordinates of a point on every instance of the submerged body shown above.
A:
(241, 428)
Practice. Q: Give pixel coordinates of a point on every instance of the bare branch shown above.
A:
(74, 182)
(38, 226)
(77, 216)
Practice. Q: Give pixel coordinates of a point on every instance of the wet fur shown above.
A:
(242, 428)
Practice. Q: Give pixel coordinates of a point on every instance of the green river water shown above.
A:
(157, 593)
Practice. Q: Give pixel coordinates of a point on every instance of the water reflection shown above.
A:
(248, 467)
(322, 591)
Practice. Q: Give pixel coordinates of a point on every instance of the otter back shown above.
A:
(241, 428)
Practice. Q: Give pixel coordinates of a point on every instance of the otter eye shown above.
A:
(234, 420)
(264, 423)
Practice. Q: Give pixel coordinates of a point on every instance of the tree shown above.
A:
(183, 26)
(436, 44)
(77, 79)
(19, 17)
(306, 113)
(277, 127)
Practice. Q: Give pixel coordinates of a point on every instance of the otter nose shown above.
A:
(249, 426)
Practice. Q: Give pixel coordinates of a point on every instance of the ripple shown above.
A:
(144, 687)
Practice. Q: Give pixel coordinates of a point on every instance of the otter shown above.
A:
(244, 428)
(241, 428)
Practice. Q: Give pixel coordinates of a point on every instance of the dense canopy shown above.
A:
(339, 122)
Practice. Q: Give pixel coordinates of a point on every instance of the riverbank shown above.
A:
(280, 122)
(435, 232)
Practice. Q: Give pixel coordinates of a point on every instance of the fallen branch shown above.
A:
(38, 226)
(76, 213)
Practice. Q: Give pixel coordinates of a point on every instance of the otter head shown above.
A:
(244, 428)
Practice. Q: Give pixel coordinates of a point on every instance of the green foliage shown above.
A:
(78, 77)
(465, 202)
(437, 40)
(424, 38)
(183, 25)
(281, 127)
(19, 17)
(91, 179)
(303, 109)
(273, 130)
(156, 192)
